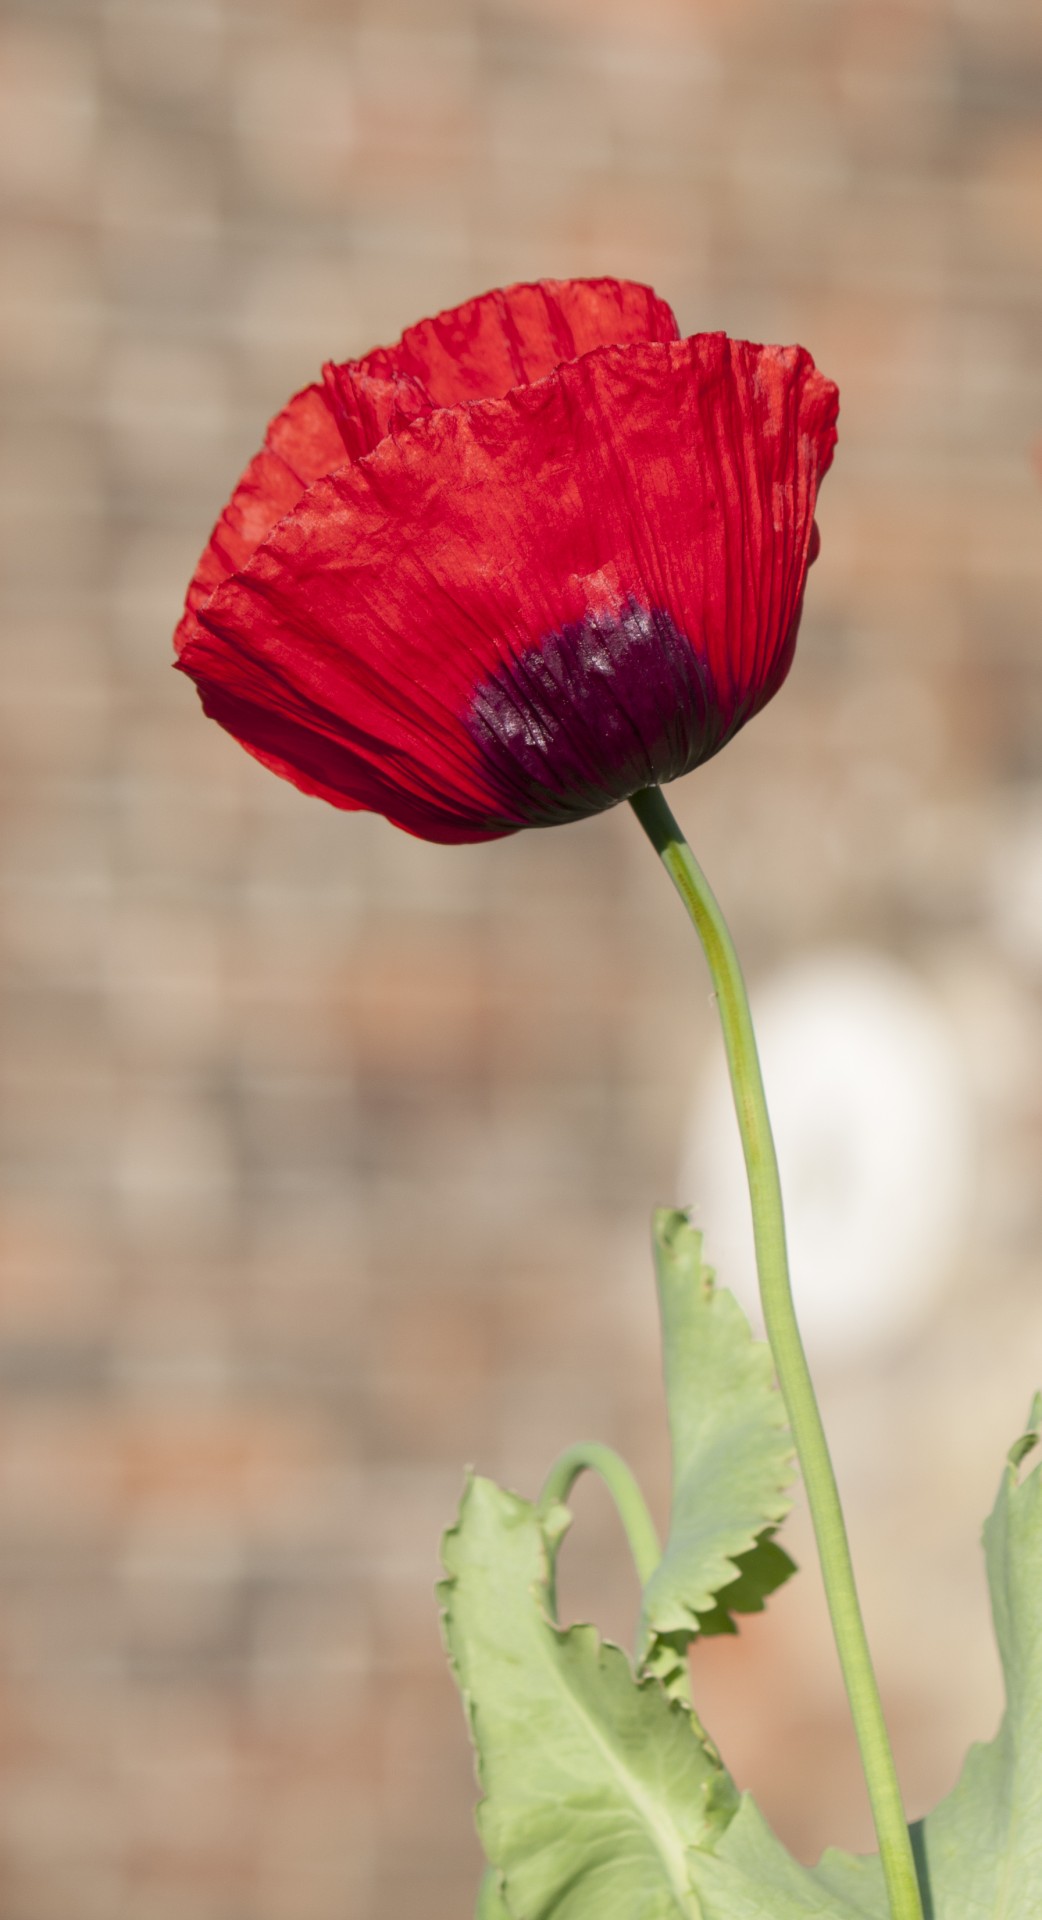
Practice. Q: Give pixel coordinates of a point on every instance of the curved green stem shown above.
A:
(787, 1348)
(590, 1457)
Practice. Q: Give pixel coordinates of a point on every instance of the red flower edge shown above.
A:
(541, 554)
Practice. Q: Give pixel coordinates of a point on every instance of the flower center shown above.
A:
(606, 705)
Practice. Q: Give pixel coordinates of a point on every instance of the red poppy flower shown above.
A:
(539, 555)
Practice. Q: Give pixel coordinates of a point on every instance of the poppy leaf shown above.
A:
(753, 1877)
(491, 1904)
(981, 1849)
(732, 1455)
(597, 1786)
(979, 1854)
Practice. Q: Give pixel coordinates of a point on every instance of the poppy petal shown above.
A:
(303, 442)
(483, 348)
(522, 610)
(517, 335)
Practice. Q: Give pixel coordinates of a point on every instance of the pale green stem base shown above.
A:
(787, 1348)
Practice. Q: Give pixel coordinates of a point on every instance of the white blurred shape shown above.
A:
(872, 1119)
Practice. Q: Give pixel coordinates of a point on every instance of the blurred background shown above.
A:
(328, 1156)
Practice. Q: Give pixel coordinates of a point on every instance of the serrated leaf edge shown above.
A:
(642, 1682)
(723, 1572)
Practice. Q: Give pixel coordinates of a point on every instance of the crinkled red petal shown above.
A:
(302, 444)
(429, 631)
(517, 335)
(499, 340)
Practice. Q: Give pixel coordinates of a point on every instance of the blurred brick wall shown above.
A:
(327, 1157)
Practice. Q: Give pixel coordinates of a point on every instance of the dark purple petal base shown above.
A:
(610, 704)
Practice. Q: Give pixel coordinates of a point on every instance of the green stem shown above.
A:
(787, 1348)
(590, 1457)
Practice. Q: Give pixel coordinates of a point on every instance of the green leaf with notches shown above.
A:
(597, 1786)
(979, 1854)
(980, 1851)
(753, 1877)
(732, 1456)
